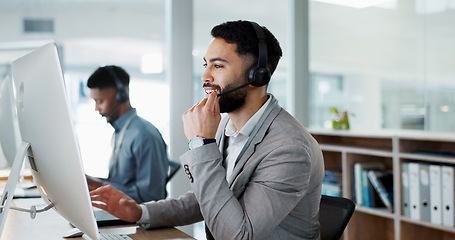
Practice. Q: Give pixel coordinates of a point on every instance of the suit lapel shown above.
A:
(220, 137)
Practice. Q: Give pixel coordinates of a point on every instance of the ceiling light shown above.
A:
(445, 108)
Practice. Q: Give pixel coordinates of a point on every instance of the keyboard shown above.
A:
(104, 218)
(104, 236)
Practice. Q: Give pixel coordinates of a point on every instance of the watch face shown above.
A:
(196, 142)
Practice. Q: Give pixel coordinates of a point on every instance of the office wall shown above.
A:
(394, 60)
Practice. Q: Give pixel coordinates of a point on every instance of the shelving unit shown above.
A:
(342, 149)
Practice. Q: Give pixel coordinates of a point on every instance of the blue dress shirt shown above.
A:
(142, 164)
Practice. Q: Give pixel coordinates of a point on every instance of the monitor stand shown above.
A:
(11, 183)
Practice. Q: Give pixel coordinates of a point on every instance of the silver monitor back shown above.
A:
(45, 122)
(9, 131)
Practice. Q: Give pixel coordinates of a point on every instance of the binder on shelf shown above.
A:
(436, 194)
(405, 205)
(353, 184)
(375, 199)
(358, 184)
(365, 191)
(424, 177)
(414, 191)
(447, 195)
(332, 183)
(362, 196)
(370, 196)
(382, 182)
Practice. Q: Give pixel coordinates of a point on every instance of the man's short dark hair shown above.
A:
(244, 35)
(103, 77)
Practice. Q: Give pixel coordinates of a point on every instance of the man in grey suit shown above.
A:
(256, 173)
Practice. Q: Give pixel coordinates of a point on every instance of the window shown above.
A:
(393, 60)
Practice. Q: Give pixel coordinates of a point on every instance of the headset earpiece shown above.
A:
(122, 95)
(259, 75)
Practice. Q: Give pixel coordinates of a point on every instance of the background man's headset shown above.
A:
(258, 75)
(122, 95)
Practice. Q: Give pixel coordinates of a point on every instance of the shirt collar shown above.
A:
(231, 131)
(118, 124)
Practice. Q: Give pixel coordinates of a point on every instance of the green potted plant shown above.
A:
(340, 120)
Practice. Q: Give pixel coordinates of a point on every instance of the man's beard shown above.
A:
(234, 100)
(113, 116)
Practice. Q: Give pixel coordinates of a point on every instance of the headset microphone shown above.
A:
(234, 89)
(110, 111)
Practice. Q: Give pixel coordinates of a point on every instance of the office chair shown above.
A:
(173, 168)
(334, 215)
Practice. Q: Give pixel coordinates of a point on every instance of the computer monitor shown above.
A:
(9, 131)
(9, 145)
(45, 123)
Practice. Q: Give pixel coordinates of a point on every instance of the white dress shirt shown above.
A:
(236, 140)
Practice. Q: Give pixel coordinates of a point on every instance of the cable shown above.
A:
(32, 209)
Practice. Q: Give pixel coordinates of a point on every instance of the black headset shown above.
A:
(259, 75)
(122, 95)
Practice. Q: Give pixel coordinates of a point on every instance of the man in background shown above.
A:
(139, 163)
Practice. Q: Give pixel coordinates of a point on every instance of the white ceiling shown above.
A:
(101, 23)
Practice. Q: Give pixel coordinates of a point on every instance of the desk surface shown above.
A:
(50, 225)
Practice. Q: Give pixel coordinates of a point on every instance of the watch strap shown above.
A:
(209, 140)
(199, 142)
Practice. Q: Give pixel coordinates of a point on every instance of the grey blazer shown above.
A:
(273, 193)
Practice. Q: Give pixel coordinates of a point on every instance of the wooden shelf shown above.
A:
(383, 212)
(358, 150)
(369, 226)
(342, 149)
(428, 225)
(427, 158)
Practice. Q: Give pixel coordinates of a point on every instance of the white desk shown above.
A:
(50, 225)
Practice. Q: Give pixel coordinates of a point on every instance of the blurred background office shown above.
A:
(391, 63)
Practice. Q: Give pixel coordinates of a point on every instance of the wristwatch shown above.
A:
(199, 142)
